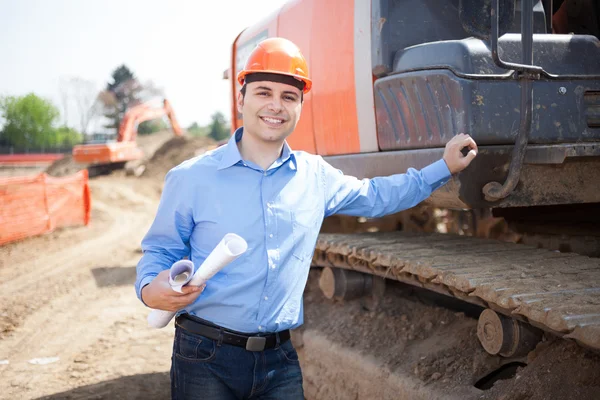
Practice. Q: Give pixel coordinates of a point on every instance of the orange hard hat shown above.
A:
(277, 56)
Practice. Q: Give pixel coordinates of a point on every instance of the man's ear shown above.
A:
(240, 102)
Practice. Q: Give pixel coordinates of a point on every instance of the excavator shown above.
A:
(393, 81)
(105, 157)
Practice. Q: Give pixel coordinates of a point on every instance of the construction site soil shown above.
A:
(71, 326)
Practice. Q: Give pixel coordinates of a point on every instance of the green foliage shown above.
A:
(152, 126)
(218, 129)
(29, 121)
(66, 136)
(197, 130)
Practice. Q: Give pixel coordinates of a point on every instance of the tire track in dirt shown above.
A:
(102, 323)
(124, 223)
(68, 301)
(43, 276)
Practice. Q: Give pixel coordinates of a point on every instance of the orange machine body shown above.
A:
(338, 113)
(392, 82)
(125, 148)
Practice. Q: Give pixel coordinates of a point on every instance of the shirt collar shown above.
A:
(285, 154)
(231, 153)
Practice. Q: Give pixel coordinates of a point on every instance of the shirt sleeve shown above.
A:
(168, 238)
(380, 196)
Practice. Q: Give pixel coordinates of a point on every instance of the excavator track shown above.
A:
(556, 292)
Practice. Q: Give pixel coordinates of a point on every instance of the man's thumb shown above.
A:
(468, 158)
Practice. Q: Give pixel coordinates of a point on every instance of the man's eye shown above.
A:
(289, 98)
(263, 94)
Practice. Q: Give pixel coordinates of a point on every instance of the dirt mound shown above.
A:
(64, 167)
(557, 369)
(162, 151)
(174, 152)
(150, 143)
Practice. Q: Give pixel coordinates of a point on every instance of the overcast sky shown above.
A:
(183, 46)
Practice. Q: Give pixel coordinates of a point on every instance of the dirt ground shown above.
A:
(419, 345)
(8, 172)
(71, 326)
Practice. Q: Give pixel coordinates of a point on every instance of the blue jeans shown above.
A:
(203, 369)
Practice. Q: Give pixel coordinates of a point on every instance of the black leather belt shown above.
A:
(249, 342)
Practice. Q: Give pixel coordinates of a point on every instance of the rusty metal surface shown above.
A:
(591, 102)
(557, 292)
(424, 109)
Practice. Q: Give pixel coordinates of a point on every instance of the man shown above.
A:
(233, 341)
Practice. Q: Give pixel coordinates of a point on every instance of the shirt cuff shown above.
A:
(145, 281)
(436, 174)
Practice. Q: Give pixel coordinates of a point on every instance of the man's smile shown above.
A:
(273, 121)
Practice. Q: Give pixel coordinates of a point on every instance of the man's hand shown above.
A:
(453, 156)
(160, 296)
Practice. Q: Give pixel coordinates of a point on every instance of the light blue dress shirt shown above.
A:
(278, 212)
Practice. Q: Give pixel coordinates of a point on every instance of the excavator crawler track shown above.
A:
(556, 292)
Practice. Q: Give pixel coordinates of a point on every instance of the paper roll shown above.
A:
(229, 248)
(180, 274)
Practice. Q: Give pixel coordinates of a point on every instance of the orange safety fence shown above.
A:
(39, 204)
(15, 160)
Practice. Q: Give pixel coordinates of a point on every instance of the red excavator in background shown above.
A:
(113, 155)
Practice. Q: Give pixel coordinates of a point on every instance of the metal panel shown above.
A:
(426, 108)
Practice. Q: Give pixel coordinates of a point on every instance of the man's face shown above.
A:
(270, 110)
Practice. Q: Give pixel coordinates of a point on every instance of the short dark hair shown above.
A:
(280, 78)
(271, 77)
(243, 92)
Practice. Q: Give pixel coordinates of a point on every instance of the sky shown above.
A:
(182, 46)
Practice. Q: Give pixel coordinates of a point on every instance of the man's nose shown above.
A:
(275, 104)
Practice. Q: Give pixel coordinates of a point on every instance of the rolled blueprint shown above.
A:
(180, 274)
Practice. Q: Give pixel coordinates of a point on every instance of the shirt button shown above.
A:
(260, 327)
(265, 173)
(271, 235)
(266, 298)
(273, 266)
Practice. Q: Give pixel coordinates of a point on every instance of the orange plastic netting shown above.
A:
(35, 205)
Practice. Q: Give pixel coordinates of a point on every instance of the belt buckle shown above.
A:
(256, 343)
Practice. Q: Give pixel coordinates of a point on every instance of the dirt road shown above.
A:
(69, 295)
(68, 298)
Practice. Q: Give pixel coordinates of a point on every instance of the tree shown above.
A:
(83, 96)
(196, 130)
(29, 121)
(124, 92)
(219, 129)
(66, 136)
(152, 126)
(64, 89)
(120, 94)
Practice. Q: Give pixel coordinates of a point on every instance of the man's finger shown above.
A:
(474, 144)
(468, 141)
(469, 157)
(189, 289)
(192, 289)
(188, 298)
